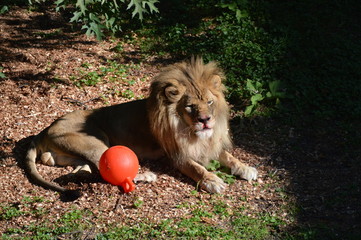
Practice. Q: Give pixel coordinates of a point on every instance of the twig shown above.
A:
(78, 102)
(118, 205)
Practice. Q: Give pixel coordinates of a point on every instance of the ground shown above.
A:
(42, 57)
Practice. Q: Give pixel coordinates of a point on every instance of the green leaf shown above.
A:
(137, 8)
(276, 90)
(275, 86)
(94, 18)
(110, 22)
(241, 14)
(115, 3)
(81, 5)
(282, 95)
(151, 6)
(2, 75)
(76, 16)
(213, 165)
(96, 28)
(59, 2)
(259, 86)
(256, 98)
(4, 9)
(140, 7)
(250, 86)
(227, 178)
(249, 110)
(194, 192)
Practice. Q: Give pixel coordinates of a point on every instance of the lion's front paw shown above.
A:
(82, 169)
(245, 172)
(213, 184)
(145, 177)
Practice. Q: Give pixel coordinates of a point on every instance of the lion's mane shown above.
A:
(167, 125)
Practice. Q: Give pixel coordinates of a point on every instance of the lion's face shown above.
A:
(198, 113)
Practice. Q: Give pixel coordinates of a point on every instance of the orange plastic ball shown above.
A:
(119, 165)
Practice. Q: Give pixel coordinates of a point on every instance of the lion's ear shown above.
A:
(217, 81)
(174, 91)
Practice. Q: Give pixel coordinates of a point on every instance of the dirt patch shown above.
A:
(39, 55)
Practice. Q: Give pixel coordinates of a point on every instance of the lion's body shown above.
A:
(185, 118)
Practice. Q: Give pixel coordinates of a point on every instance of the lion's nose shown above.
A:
(204, 119)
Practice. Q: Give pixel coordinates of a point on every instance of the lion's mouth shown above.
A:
(206, 127)
(203, 130)
(202, 126)
(204, 133)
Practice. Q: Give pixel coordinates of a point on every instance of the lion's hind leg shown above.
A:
(79, 147)
(52, 159)
(47, 158)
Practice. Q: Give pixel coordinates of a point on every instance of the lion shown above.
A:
(184, 119)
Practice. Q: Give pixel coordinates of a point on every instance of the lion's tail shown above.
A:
(36, 178)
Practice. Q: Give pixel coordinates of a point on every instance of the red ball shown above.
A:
(119, 165)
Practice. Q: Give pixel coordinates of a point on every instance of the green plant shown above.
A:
(321, 70)
(98, 15)
(201, 223)
(72, 216)
(222, 172)
(213, 165)
(32, 199)
(53, 34)
(88, 78)
(8, 212)
(249, 228)
(89, 75)
(243, 49)
(138, 202)
(259, 93)
(4, 9)
(222, 209)
(2, 75)
(127, 94)
(25, 207)
(239, 7)
(5, 5)
(72, 224)
(118, 70)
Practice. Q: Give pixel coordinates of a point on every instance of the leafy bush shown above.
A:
(259, 94)
(97, 16)
(322, 65)
(246, 52)
(310, 49)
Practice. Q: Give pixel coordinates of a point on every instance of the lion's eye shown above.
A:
(210, 102)
(189, 107)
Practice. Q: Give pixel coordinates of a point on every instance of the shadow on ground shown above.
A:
(319, 143)
(324, 164)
